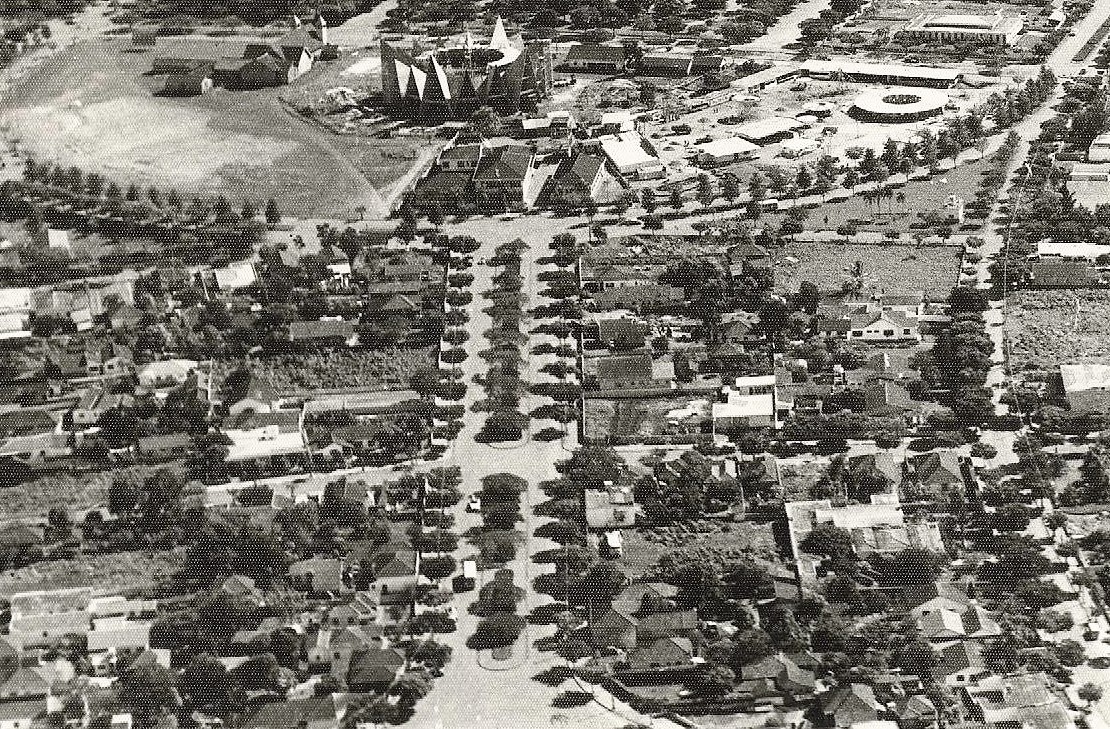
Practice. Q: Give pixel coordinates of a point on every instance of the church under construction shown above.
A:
(451, 82)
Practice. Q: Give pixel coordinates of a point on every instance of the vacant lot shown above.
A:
(891, 269)
(104, 573)
(93, 106)
(387, 369)
(1047, 328)
(640, 417)
(32, 500)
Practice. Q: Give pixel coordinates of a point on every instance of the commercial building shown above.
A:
(724, 151)
(882, 73)
(770, 130)
(452, 82)
(997, 29)
(1099, 150)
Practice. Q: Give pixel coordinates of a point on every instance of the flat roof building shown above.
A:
(770, 130)
(997, 29)
(885, 73)
(723, 151)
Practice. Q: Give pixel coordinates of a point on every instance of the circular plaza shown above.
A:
(901, 106)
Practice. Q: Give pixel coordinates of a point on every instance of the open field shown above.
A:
(892, 269)
(92, 106)
(1047, 328)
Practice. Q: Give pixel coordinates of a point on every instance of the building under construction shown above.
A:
(508, 75)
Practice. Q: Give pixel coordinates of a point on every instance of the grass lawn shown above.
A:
(93, 106)
(1047, 328)
(893, 269)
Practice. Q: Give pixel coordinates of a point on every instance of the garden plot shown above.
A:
(642, 417)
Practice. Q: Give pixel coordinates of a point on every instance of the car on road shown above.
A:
(1100, 662)
(474, 503)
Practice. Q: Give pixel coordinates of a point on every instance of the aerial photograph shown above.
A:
(601, 364)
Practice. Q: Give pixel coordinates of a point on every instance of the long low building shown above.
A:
(770, 130)
(883, 73)
(997, 29)
(898, 106)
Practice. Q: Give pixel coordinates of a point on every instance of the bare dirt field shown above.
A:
(92, 106)
(1047, 328)
(890, 269)
(104, 573)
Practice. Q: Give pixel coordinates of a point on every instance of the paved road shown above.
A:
(475, 689)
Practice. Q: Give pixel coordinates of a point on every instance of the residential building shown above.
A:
(883, 326)
(629, 153)
(847, 706)
(973, 623)
(960, 664)
(1099, 151)
(613, 508)
(375, 669)
(879, 526)
(749, 402)
(633, 372)
(166, 373)
(320, 574)
(1087, 386)
(505, 174)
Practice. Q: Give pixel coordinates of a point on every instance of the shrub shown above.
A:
(458, 298)
(437, 568)
(455, 336)
(455, 355)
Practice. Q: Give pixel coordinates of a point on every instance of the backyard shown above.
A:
(1046, 328)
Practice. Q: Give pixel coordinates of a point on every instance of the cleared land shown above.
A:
(92, 105)
(1047, 328)
(891, 269)
(105, 573)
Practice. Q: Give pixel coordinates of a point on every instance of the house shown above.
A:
(324, 332)
(333, 647)
(235, 276)
(1063, 274)
(266, 439)
(95, 402)
(395, 574)
(1099, 151)
(873, 473)
(243, 588)
(749, 402)
(961, 664)
(623, 333)
(619, 626)
(662, 653)
(166, 373)
(846, 706)
(1023, 700)
(108, 359)
(593, 58)
(375, 669)
(362, 610)
(612, 508)
(973, 623)
(582, 177)
(320, 574)
(629, 153)
(883, 326)
(879, 526)
(318, 712)
(638, 297)
(631, 372)
(461, 158)
(788, 678)
(674, 65)
(1086, 386)
(259, 397)
(118, 634)
(938, 470)
(884, 398)
(505, 174)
